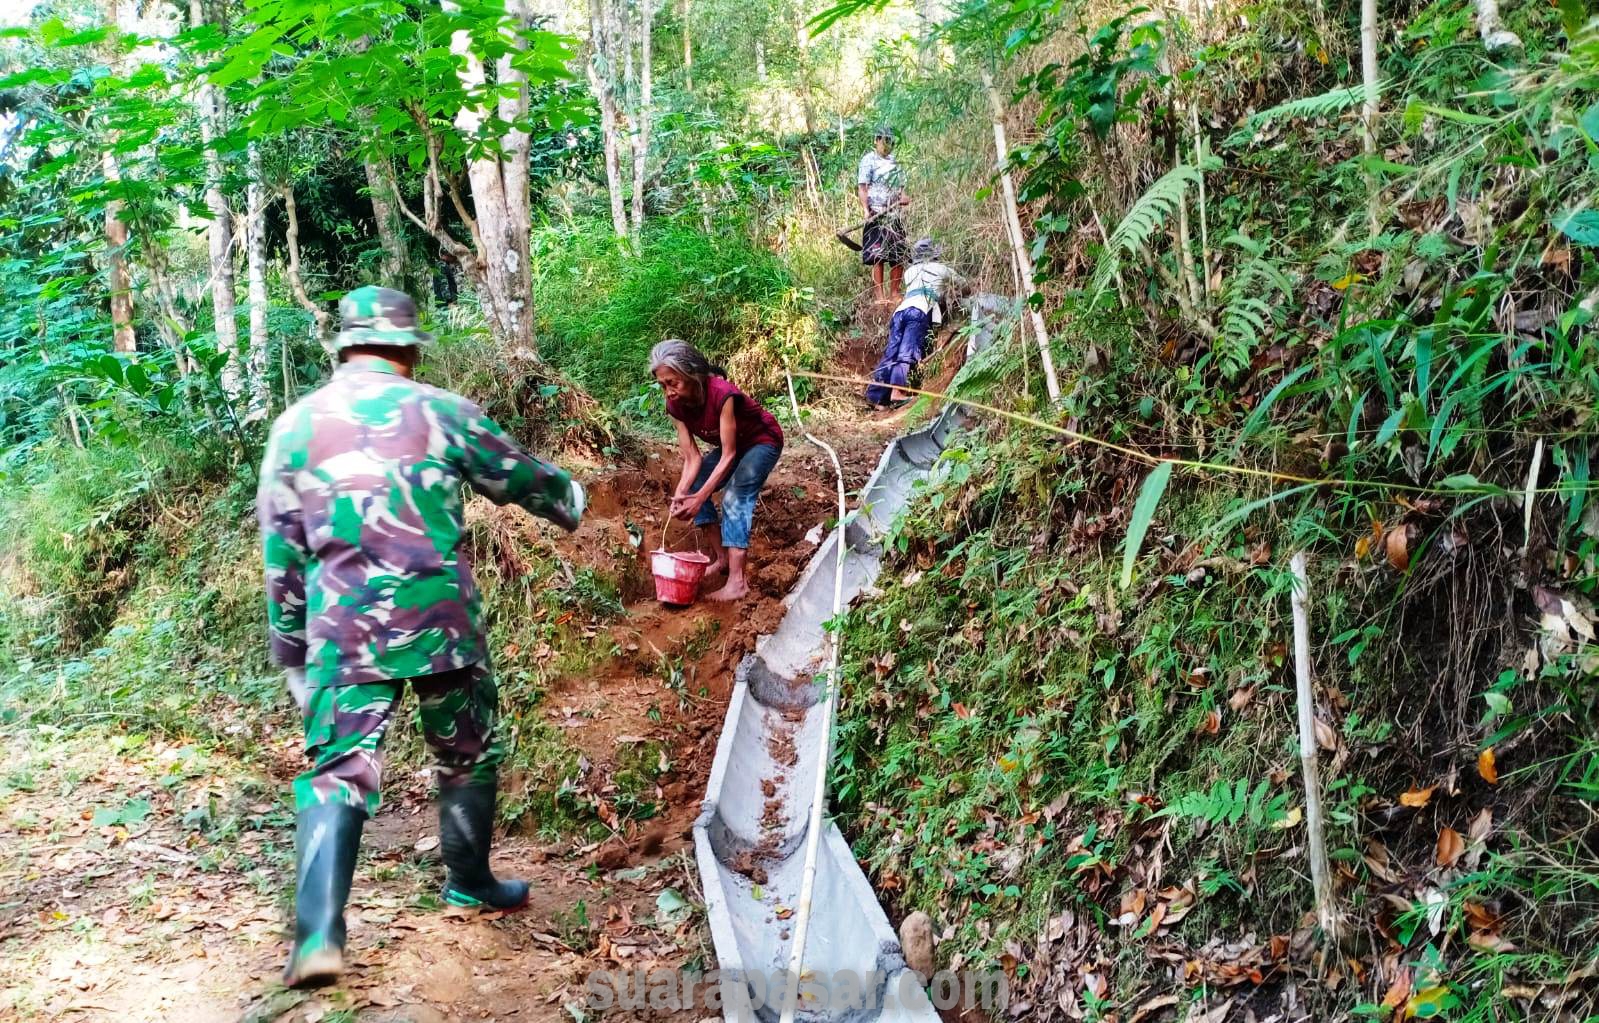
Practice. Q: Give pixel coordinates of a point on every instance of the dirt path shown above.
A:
(150, 880)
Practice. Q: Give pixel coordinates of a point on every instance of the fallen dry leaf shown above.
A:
(1484, 941)
(1486, 766)
(1326, 735)
(1480, 917)
(1417, 797)
(1377, 860)
(1397, 546)
(1481, 826)
(1211, 725)
(961, 711)
(1153, 1006)
(1450, 847)
(1240, 698)
(1398, 991)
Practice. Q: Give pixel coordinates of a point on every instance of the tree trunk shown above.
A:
(1368, 72)
(220, 232)
(117, 282)
(624, 41)
(499, 204)
(255, 202)
(641, 123)
(171, 322)
(291, 243)
(803, 36)
(515, 146)
(385, 211)
(116, 232)
(688, 51)
(602, 78)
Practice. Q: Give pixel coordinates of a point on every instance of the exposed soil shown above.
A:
(943, 355)
(142, 919)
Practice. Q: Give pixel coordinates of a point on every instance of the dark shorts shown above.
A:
(883, 241)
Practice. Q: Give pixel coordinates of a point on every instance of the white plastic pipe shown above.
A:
(813, 834)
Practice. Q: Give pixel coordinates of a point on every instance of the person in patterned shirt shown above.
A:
(370, 589)
(880, 186)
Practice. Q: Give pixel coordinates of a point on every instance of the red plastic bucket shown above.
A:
(677, 575)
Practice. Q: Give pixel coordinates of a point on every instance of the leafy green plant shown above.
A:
(1143, 513)
(1326, 104)
(1144, 218)
(1231, 804)
(1253, 306)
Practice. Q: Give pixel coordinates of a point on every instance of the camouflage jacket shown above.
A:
(360, 505)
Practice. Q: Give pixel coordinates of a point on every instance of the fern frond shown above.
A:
(1324, 105)
(1231, 804)
(1147, 213)
(1251, 315)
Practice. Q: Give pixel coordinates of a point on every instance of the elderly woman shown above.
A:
(707, 408)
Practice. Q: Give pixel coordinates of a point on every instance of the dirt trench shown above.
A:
(111, 910)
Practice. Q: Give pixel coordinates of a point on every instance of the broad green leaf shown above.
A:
(1390, 426)
(671, 908)
(1590, 122)
(1143, 513)
(1581, 226)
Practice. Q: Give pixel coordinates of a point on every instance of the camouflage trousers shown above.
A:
(345, 726)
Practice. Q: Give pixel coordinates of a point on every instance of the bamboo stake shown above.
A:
(1320, 875)
(1368, 72)
(1200, 147)
(1527, 497)
(1018, 242)
(813, 833)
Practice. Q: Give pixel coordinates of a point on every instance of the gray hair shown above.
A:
(924, 249)
(682, 357)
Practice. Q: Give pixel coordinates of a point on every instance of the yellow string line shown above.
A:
(1189, 463)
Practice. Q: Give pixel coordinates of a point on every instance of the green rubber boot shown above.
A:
(466, 827)
(326, 840)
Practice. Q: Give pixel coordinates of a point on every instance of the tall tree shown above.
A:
(802, 35)
(688, 49)
(381, 189)
(117, 279)
(445, 90)
(116, 230)
(255, 202)
(642, 116)
(602, 79)
(321, 318)
(498, 177)
(212, 113)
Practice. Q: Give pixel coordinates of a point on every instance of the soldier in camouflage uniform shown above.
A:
(369, 588)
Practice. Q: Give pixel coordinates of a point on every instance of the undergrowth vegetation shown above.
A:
(1070, 715)
(603, 307)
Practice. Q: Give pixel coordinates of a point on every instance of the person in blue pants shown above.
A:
(928, 284)
(708, 409)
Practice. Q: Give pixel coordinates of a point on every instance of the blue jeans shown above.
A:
(742, 486)
(907, 333)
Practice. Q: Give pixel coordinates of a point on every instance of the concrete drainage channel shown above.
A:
(749, 840)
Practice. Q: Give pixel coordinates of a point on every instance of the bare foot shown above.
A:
(729, 592)
(714, 568)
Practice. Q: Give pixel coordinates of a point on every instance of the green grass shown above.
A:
(601, 308)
